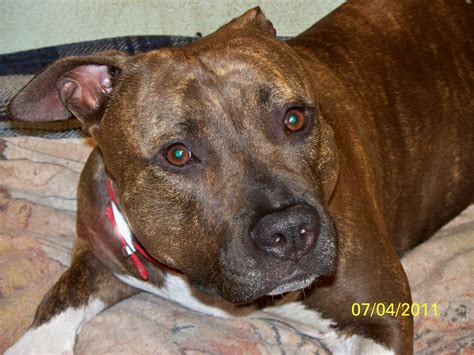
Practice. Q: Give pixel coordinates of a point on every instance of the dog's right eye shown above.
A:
(178, 155)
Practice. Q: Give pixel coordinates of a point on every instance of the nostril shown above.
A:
(278, 239)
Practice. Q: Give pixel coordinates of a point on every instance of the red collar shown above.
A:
(130, 245)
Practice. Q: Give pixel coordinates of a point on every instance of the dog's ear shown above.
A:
(72, 86)
(253, 18)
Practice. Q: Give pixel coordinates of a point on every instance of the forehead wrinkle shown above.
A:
(216, 101)
(290, 82)
(217, 126)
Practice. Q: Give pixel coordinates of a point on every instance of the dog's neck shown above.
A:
(131, 247)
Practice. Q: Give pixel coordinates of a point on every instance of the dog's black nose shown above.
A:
(287, 234)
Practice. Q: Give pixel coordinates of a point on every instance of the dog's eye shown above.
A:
(294, 120)
(178, 155)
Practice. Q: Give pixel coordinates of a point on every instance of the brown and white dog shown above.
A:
(242, 166)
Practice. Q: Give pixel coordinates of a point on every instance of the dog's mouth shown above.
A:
(250, 271)
(246, 287)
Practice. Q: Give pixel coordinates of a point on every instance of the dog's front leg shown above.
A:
(366, 297)
(83, 291)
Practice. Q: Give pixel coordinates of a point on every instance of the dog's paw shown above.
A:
(58, 335)
(356, 344)
(44, 340)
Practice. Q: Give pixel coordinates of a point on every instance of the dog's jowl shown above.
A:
(241, 167)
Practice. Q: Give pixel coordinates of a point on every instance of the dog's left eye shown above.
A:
(178, 155)
(295, 120)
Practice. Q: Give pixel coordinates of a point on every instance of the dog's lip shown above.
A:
(292, 285)
(294, 279)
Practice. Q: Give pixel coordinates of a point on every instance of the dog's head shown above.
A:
(223, 164)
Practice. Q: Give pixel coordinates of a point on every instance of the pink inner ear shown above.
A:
(84, 88)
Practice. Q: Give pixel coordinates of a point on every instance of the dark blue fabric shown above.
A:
(33, 61)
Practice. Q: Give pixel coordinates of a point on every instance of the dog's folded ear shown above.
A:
(253, 18)
(73, 86)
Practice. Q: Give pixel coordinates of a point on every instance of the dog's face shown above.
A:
(222, 162)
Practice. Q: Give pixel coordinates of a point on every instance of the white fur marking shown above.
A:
(313, 324)
(298, 312)
(58, 335)
(357, 345)
(176, 288)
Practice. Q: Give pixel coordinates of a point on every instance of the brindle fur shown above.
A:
(389, 88)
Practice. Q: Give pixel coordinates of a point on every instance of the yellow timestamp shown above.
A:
(379, 309)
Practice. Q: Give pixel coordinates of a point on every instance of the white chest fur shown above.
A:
(176, 288)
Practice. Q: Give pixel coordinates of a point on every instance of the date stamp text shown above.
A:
(380, 309)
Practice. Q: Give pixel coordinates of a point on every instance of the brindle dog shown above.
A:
(257, 167)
